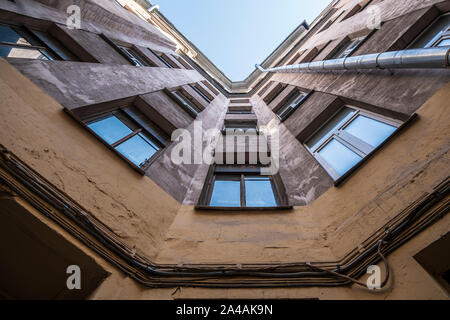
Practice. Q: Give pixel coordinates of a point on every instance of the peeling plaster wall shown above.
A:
(338, 221)
(35, 128)
(100, 16)
(77, 84)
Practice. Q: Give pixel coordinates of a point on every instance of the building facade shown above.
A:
(126, 153)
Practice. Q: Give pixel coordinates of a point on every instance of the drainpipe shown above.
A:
(430, 58)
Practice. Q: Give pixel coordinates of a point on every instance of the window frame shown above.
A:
(200, 93)
(287, 108)
(440, 36)
(232, 126)
(348, 48)
(233, 111)
(135, 126)
(133, 56)
(238, 173)
(161, 57)
(36, 43)
(353, 143)
(184, 102)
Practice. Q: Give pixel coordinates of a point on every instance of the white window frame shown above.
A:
(358, 146)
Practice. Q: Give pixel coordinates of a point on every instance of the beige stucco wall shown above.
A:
(34, 127)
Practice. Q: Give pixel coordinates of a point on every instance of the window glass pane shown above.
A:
(134, 56)
(335, 123)
(110, 129)
(186, 102)
(371, 131)
(259, 192)
(7, 34)
(160, 57)
(347, 48)
(226, 193)
(148, 125)
(292, 103)
(53, 44)
(444, 43)
(152, 143)
(200, 92)
(23, 53)
(299, 98)
(137, 150)
(339, 157)
(433, 33)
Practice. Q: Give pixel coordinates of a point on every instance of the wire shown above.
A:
(151, 275)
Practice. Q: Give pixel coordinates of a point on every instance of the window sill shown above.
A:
(208, 208)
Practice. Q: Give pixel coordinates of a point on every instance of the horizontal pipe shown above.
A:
(430, 58)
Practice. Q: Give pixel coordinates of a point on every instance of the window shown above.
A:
(188, 105)
(437, 35)
(134, 57)
(201, 93)
(358, 8)
(242, 190)
(240, 126)
(349, 137)
(19, 42)
(296, 99)
(163, 59)
(237, 111)
(129, 133)
(348, 48)
(276, 89)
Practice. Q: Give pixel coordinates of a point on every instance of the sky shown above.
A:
(236, 34)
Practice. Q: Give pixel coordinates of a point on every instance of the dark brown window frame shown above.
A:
(291, 96)
(445, 35)
(133, 54)
(36, 43)
(349, 40)
(242, 171)
(201, 92)
(89, 114)
(117, 45)
(187, 104)
(273, 94)
(164, 58)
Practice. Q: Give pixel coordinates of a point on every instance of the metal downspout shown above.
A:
(430, 58)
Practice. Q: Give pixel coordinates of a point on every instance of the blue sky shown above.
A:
(236, 34)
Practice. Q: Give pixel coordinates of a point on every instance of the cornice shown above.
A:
(187, 48)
